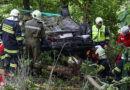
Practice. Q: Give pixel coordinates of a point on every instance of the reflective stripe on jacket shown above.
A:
(11, 36)
(118, 69)
(34, 29)
(98, 35)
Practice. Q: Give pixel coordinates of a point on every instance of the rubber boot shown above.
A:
(13, 63)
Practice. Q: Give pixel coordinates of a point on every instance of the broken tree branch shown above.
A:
(93, 82)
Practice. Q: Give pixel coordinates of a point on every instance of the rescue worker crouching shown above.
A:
(12, 40)
(100, 34)
(103, 68)
(34, 32)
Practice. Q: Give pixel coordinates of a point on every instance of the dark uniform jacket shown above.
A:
(117, 71)
(104, 68)
(11, 35)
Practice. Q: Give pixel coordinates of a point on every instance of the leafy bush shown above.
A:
(87, 69)
(124, 16)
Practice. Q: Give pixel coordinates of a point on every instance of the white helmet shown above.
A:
(99, 20)
(100, 51)
(125, 30)
(36, 14)
(14, 12)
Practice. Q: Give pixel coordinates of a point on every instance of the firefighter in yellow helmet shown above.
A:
(100, 34)
(34, 32)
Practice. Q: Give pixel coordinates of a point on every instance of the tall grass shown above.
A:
(18, 81)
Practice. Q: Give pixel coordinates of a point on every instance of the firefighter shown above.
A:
(100, 34)
(124, 38)
(34, 33)
(103, 68)
(12, 40)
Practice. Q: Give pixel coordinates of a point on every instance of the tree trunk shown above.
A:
(26, 4)
(40, 5)
(65, 3)
(85, 14)
(90, 1)
(85, 11)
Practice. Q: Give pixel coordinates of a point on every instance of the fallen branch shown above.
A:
(93, 82)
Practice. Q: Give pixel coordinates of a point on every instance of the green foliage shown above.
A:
(50, 6)
(74, 78)
(127, 66)
(46, 58)
(87, 69)
(49, 57)
(4, 12)
(107, 10)
(76, 13)
(63, 59)
(124, 16)
(126, 52)
(45, 73)
(111, 87)
(9, 88)
(59, 82)
(27, 63)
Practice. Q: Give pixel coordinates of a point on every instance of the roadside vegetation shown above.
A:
(57, 73)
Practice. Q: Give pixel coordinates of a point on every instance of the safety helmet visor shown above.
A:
(100, 23)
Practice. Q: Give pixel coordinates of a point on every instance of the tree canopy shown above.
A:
(86, 10)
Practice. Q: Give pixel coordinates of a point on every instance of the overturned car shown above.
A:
(66, 35)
